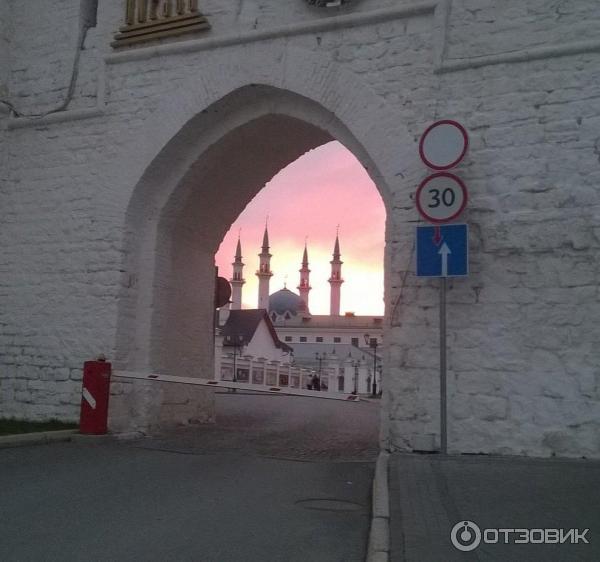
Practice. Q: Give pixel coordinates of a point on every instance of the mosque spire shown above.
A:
(336, 278)
(265, 243)
(305, 256)
(237, 280)
(304, 286)
(238, 251)
(264, 272)
(336, 248)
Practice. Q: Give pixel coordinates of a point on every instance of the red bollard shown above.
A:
(94, 397)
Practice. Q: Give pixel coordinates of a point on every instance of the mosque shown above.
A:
(314, 338)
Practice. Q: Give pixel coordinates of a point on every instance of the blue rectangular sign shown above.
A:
(443, 251)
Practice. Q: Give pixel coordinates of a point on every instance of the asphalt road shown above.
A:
(278, 478)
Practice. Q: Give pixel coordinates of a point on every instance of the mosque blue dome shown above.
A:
(286, 301)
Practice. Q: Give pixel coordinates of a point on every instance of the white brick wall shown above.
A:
(42, 48)
(483, 27)
(4, 49)
(110, 222)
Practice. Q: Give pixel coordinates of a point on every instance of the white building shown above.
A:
(248, 335)
(248, 350)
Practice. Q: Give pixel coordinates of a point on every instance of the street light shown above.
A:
(237, 342)
(372, 343)
(320, 357)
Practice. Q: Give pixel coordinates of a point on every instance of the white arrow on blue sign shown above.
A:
(443, 251)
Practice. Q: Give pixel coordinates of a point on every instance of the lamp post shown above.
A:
(355, 365)
(372, 343)
(237, 342)
(320, 357)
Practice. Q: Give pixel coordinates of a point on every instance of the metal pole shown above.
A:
(234, 379)
(374, 385)
(234, 366)
(443, 397)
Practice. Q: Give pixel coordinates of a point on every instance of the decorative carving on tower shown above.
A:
(237, 280)
(148, 20)
(264, 273)
(336, 279)
(304, 286)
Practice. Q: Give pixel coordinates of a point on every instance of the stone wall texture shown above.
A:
(115, 197)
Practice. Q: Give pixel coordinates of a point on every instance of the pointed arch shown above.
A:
(226, 134)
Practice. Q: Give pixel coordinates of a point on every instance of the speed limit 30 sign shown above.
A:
(441, 197)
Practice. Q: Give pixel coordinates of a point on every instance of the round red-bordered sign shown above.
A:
(441, 197)
(443, 144)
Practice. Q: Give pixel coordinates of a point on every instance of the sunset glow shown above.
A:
(308, 199)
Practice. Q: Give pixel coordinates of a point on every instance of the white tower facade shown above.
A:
(264, 273)
(237, 280)
(335, 280)
(304, 286)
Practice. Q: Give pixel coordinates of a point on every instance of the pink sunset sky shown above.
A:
(308, 199)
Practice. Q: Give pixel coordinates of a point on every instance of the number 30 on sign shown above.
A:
(441, 197)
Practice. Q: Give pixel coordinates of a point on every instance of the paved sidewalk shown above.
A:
(430, 494)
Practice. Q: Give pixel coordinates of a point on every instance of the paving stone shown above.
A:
(430, 494)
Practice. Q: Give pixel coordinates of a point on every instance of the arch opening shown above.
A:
(320, 278)
(184, 204)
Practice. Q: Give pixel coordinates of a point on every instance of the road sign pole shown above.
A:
(441, 198)
(443, 394)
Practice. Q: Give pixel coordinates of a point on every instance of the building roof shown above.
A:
(286, 301)
(325, 321)
(241, 326)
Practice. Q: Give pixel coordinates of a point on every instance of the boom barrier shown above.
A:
(237, 386)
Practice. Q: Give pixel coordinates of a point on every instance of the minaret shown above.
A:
(237, 281)
(304, 286)
(336, 279)
(264, 273)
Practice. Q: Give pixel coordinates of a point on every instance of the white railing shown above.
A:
(261, 372)
(340, 377)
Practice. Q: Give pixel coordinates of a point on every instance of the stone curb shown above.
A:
(379, 535)
(86, 438)
(37, 438)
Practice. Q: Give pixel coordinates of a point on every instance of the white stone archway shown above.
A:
(176, 221)
(207, 150)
